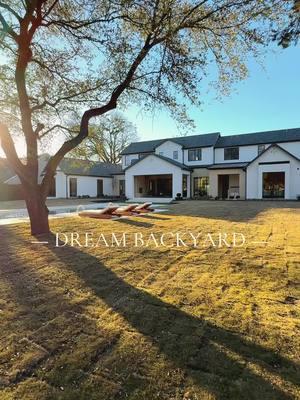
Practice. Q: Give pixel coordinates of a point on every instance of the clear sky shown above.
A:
(269, 99)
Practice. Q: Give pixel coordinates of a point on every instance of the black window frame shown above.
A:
(177, 154)
(229, 153)
(197, 154)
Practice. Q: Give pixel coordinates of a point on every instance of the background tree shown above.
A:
(107, 139)
(290, 35)
(85, 56)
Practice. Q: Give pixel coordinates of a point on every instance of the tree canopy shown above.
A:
(291, 33)
(107, 139)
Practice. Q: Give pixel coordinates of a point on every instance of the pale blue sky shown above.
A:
(269, 99)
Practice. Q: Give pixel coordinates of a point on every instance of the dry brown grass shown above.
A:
(152, 323)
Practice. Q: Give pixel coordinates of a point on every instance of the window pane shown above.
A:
(184, 185)
(195, 155)
(201, 185)
(231, 153)
(191, 155)
(175, 155)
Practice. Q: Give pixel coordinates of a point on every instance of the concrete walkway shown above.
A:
(20, 204)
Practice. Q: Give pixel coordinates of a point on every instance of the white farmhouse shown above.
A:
(263, 165)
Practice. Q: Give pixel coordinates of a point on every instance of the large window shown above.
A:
(273, 185)
(201, 185)
(231, 153)
(195, 154)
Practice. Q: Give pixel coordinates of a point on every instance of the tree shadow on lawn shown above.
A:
(197, 346)
(216, 359)
(133, 222)
(229, 210)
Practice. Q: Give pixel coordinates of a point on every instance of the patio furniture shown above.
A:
(234, 193)
(143, 208)
(106, 213)
(125, 210)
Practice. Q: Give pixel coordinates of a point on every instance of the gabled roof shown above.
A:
(168, 160)
(268, 137)
(270, 147)
(72, 166)
(186, 142)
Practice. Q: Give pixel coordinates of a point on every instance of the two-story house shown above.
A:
(248, 166)
(260, 165)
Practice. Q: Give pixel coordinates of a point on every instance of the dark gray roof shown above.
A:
(169, 160)
(72, 166)
(279, 136)
(228, 165)
(187, 142)
(5, 171)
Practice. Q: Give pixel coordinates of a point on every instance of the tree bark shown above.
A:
(38, 213)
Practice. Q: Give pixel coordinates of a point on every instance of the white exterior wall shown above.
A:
(87, 185)
(154, 166)
(116, 184)
(167, 148)
(130, 158)
(247, 153)
(291, 147)
(291, 169)
(207, 157)
(61, 185)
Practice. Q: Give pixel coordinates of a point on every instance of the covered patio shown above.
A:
(157, 178)
(228, 181)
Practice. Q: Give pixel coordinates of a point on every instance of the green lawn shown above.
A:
(152, 323)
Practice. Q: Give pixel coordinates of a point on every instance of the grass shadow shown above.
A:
(154, 217)
(228, 210)
(133, 222)
(216, 359)
(212, 356)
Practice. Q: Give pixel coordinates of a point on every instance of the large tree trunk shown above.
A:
(38, 213)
